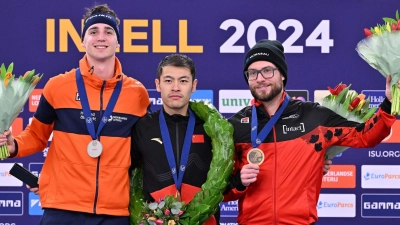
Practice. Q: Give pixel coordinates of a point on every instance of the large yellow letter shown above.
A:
(129, 36)
(66, 28)
(157, 47)
(50, 35)
(183, 40)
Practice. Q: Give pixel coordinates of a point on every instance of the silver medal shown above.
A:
(94, 149)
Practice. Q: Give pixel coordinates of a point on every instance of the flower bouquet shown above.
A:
(350, 105)
(164, 212)
(381, 50)
(13, 95)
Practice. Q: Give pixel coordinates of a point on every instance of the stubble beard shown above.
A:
(275, 91)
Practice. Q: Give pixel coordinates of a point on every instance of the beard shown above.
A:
(276, 89)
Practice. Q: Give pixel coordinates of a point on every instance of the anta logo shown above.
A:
(77, 98)
(300, 128)
(157, 140)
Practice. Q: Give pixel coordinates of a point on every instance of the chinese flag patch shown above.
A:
(244, 120)
(198, 138)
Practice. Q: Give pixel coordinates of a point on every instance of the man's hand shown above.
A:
(34, 190)
(248, 174)
(327, 165)
(8, 139)
(388, 91)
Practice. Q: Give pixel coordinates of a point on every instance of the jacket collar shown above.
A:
(94, 81)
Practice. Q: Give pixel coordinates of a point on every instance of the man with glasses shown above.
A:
(280, 143)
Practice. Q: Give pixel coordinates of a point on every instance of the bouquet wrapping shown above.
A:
(381, 50)
(350, 105)
(13, 95)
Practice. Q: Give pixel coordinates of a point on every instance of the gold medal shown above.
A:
(255, 156)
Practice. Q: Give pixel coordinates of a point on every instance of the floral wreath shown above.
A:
(205, 202)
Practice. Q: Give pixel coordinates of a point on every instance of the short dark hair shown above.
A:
(177, 60)
(103, 8)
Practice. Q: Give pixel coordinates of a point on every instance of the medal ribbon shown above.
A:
(86, 108)
(185, 149)
(256, 140)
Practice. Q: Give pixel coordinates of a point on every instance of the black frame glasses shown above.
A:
(266, 73)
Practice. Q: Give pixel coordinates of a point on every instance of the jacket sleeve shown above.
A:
(235, 188)
(343, 132)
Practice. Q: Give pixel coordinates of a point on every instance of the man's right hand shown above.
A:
(34, 190)
(8, 139)
(248, 174)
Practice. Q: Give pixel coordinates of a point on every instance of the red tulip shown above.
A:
(337, 89)
(167, 212)
(394, 26)
(354, 103)
(159, 221)
(367, 32)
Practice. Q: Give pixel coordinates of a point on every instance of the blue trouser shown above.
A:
(64, 217)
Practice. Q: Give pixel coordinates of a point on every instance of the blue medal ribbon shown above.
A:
(256, 140)
(86, 108)
(185, 149)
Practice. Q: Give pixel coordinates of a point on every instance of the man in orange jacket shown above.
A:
(279, 153)
(90, 112)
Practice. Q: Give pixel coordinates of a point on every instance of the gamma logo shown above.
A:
(11, 203)
(380, 205)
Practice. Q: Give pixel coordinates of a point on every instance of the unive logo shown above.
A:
(11, 203)
(300, 128)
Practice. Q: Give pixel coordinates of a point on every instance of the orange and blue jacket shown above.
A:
(70, 179)
(289, 181)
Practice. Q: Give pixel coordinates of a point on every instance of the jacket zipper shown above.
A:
(177, 150)
(98, 159)
(275, 171)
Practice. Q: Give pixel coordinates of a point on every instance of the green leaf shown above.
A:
(389, 20)
(183, 222)
(10, 68)
(3, 71)
(397, 15)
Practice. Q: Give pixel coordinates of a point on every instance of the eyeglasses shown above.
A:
(267, 72)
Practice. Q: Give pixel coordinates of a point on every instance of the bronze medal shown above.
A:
(178, 196)
(255, 156)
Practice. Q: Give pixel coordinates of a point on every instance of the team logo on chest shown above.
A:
(299, 128)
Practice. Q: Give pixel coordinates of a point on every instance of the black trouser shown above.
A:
(65, 217)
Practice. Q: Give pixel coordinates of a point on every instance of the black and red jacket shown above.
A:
(148, 149)
(288, 185)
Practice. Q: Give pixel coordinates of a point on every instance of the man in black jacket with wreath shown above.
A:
(170, 144)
